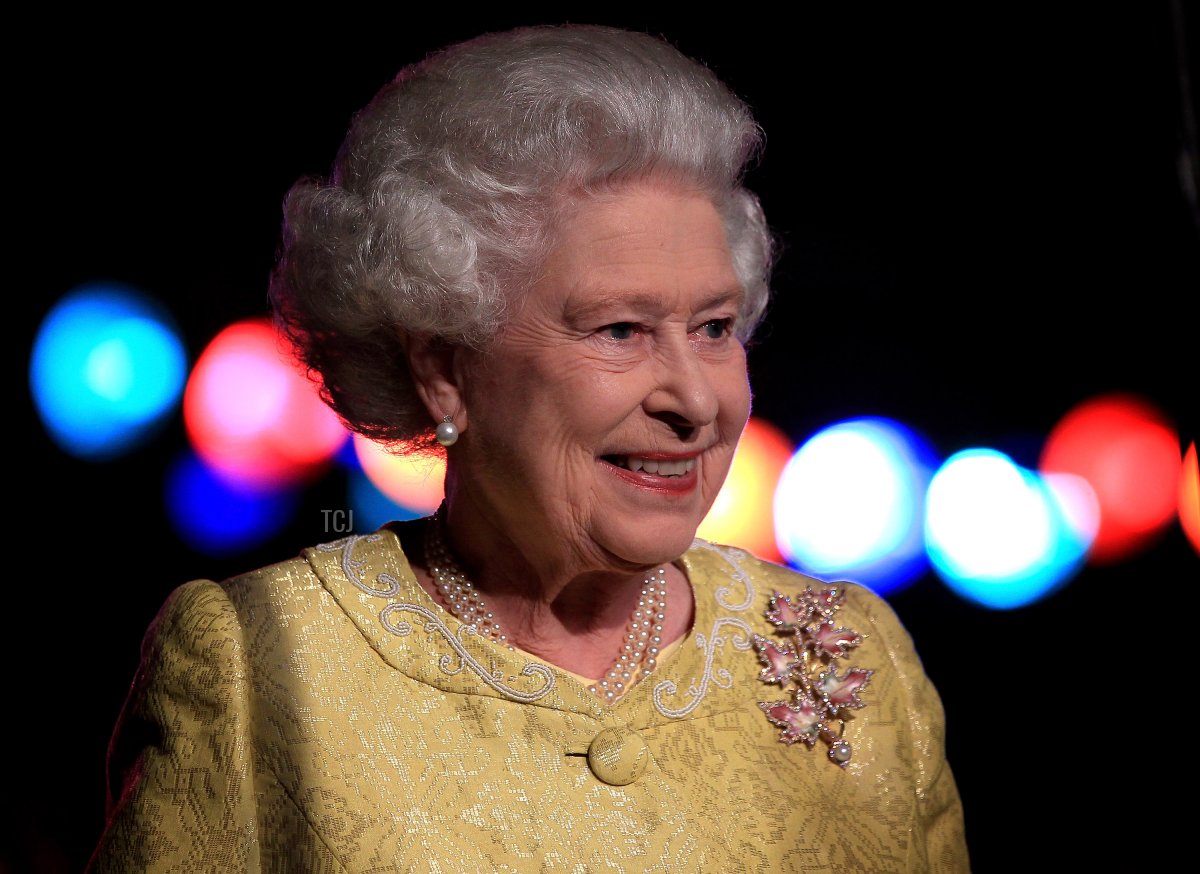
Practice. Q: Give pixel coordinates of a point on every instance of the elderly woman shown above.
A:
(535, 255)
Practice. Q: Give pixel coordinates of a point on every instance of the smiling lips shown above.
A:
(650, 464)
(670, 473)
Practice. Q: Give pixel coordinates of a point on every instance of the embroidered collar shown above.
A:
(370, 578)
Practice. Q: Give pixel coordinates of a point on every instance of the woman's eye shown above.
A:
(618, 331)
(717, 328)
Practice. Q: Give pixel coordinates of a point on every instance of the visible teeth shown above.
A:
(651, 465)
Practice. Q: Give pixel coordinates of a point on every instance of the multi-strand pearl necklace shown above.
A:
(457, 592)
(640, 647)
(642, 642)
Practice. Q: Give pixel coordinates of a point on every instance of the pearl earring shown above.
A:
(447, 432)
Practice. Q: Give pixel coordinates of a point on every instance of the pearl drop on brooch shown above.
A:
(840, 752)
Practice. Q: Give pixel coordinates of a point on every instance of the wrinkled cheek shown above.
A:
(734, 414)
(736, 404)
(715, 475)
(536, 447)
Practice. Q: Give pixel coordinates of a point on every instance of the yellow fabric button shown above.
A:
(618, 756)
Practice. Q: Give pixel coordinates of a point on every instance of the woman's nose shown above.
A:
(683, 394)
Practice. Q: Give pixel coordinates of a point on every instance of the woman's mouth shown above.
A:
(664, 467)
(656, 474)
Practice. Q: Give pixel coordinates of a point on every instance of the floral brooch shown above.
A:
(801, 664)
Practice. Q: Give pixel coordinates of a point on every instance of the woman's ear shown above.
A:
(436, 368)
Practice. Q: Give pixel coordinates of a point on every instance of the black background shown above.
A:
(984, 220)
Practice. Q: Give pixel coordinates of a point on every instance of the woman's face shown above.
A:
(600, 426)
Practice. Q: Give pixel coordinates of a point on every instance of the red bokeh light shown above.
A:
(1189, 497)
(1128, 451)
(252, 416)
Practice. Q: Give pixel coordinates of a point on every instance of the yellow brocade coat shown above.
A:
(325, 715)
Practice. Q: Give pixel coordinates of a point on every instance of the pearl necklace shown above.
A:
(458, 593)
(640, 646)
(642, 642)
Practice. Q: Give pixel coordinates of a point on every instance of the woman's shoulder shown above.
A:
(258, 583)
(216, 606)
(767, 582)
(326, 565)
(779, 601)
(304, 570)
(726, 561)
(212, 596)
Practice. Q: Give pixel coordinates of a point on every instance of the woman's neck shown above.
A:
(578, 621)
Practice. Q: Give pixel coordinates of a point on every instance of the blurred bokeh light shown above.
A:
(220, 517)
(1002, 536)
(106, 370)
(370, 508)
(1189, 497)
(743, 512)
(251, 414)
(850, 503)
(1129, 452)
(415, 482)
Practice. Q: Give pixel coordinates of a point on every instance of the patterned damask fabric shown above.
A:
(326, 715)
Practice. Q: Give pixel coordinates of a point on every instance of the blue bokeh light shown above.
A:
(107, 368)
(1002, 536)
(850, 503)
(218, 517)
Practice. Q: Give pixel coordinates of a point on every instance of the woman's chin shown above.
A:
(652, 545)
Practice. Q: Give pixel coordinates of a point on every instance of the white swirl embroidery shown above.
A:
(353, 569)
(433, 623)
(728, 553)
(719, 677)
